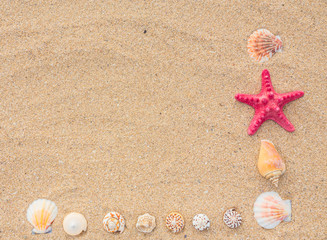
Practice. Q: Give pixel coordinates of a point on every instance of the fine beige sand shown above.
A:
(129, 106)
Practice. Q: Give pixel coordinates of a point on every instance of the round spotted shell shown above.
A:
(175, 222)
(232, 218)
(201, 222)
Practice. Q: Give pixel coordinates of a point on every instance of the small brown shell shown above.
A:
(232, 218)
(175, 222)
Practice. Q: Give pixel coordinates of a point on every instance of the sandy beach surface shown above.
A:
(129, 106)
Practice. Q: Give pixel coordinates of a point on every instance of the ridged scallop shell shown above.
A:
(41, 214)
(270, 164)
(262, 45)
(269, 210)
(146, 223)
(175, 222)
(114, 222)
(232, 218)
(201, 222)
(74, 224)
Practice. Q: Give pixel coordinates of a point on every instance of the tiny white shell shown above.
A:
(146, 223)
(270, 209)
(114, 222)
(201, 222)
(74, 224)
(232, 218)
(41, 213)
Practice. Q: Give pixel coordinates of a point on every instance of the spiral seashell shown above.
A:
(41, 214)
(175, 222)
(269, 210)
(146, 223)
(262, 45)
(74, 224)
(201, 222)
(114, 222)
(232, 218)
(270, 164)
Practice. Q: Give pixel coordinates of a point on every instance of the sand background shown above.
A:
(97, 115)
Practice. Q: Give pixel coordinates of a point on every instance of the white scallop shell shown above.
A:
(269, 210)
(74, 224)
(175, 222)
(232, 218)
(41, 213)
(114, 222)
(146, 223)
(201, 222)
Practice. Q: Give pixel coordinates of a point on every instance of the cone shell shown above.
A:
(74, 224)
(41, 214)
(270, 164)
(232, 218)
(114, 222)
(201, 222)
(269, 210)
(175, 222)
(146, 223)
(262, 45)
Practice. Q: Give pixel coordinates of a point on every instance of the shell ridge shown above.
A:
(270, 210)
(41, 214)
(262, 45)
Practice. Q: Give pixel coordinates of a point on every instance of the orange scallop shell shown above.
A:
(262, 45)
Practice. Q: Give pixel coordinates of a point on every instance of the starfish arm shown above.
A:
(257, 120)
(282, 120)
(266, 85)
(251, 100)
(289, 97)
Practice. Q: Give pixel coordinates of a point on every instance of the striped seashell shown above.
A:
(114, 222)
(232, 219)
(201, 222)
(175, 222)
(41, 214)
(270, 210)
(262, 45)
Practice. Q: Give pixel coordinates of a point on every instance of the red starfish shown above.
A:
(268, 105)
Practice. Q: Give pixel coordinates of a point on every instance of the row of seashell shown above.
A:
(42, 212)
(269, 208)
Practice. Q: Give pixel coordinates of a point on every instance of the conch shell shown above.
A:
(270, 164)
